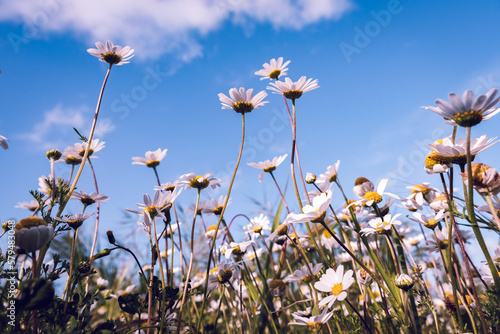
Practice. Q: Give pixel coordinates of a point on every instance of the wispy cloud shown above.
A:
(56, 128)
(155, 27)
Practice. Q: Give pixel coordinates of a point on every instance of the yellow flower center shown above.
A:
(320, 218)
(218, 210)
(237, 251)
(242, 107)
(307, 279)
(436, 159)
(421, 189)
(275, 74)
(432, 223)
(152, 211)
(72, 160)
(152, 163)
(214, 270)
(82, 152)
(293, 94)
(314, 326)
(381, 227)
(257, 229)
(372, 196)
(337, 289)
(333, 178)
(326, 234)
(86, 200)
(468, 118)
(199, 182)
(30, 222)
(111, 58)
(269, 169)
(225, 276)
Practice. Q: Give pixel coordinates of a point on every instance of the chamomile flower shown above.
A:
(71, 156)
(485, 180)
(167, 186)
(314, 213)
(238, 249)
(457, 152)
(215, 207)
(487, 275)
(336, 283)
(328, 241)
(152, 159)
(273, 69)
(192, 180)
(88, 199)
(313, 323)
(330, 175)
(468, 110)
(306, 274)
(242, 101)
(75, 221)
(381, 226)
(439, 240)
(267, 166)
(220, 275)
(361, 186)
(429, 221)
(257, 225)
(423, 193)
(32, 233)
(371, 197)
(32, 205)
(95, 146)
(112, 54)
(293, 90)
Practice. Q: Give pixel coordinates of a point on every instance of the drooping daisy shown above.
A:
(336, 283)
(314, 213)
(75, 221)
(273, 69)
(457, 152)
(330, 175)
(152, 159)
(485, 180)
(468, 110)
(242, 101)
(3, 142)
(32, 233)
(293, 90)
(371, 197)
(439, 240)
(381, 226)
(267, 166)
(192, 180)
(112, 54)
(361, 186)
(306, 274)
(88, 199)
(313, 323)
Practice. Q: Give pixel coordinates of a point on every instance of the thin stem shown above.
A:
(294, 142)
(68, 282)
(492, 210)
(98, 211)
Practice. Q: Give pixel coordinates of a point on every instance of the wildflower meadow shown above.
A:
(379, 263)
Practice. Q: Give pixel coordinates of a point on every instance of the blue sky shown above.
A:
(377, 63)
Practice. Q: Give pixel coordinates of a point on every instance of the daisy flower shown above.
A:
(328, 241)
(371, 197)
(88, 199)
(274, 69)
(32, 205)
(485, 180)
(152, 159)
(112, 54)
(242, 101)
(441, 203)
(306, 274)
(457, 152)
(220, 275)
(210, 232)
(199, 182)
(468, 110)
(429, 222)
(361, 186)
(32, 233)
(381, 226)
(331, 173)
(95, 146)
(404, 282)
(293, 90)
(267, 166)
(238, 249)
(75, 221)
(313, 323)
(316, 212)
(216, 206)
(422, 193)
(71, 156)
(257, 225)
(410, 204)
(334, 282)
(3, 142)
(436, 163)
(439, 239)
(167, 186)
(487, 275)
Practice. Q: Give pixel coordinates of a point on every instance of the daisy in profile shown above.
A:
(112, 54)
(215, 207)
(71, 156)
(88, 199)
(167, 186)
(152, 159)
(371, 197)
(242, 101)
(32, 233)
(485, 180)
(439, 240)
(468, 110)
(75, 221)
(314, 213)
(381, 226)
(293, 90)
(3, 142)
(336, 283)
(330, 175)
(257, 225)
(220, 275)
(267, 166)
(422, 193)
(199, 182)
(32, 205)
(274, 69)
(306, 274)
(313, 323)
(429, 221)
(95, 146)
(457, 152)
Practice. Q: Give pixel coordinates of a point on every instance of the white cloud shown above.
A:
(56, 128)
(155, 27)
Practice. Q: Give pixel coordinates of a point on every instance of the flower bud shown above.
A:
(53, 155)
